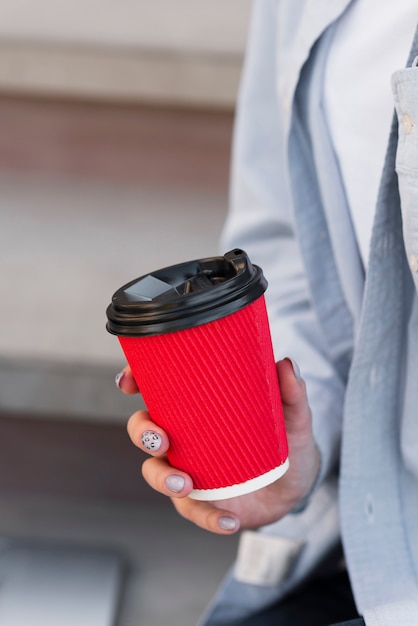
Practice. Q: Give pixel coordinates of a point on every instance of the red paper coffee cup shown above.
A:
(197, 338)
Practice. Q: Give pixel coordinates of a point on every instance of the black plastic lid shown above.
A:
(185, 295)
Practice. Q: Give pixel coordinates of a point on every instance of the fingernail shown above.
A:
(295, 368)
(227, 523)
(175, 483)
(151, 440)
(118, 378)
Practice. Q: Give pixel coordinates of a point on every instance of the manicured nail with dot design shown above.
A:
(227, 523)
(118, 379)
(175, 483)
(151, 440)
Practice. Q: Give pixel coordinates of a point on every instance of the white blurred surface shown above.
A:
(46, 584)
(172, 567)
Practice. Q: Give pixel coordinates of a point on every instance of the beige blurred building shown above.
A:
(115, 131)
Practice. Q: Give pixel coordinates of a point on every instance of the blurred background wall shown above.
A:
(115, 131)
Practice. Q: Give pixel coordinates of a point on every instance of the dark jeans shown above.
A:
(324, 601)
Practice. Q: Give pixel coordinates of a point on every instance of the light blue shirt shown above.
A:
(355, 336)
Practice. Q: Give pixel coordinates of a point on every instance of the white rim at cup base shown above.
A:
(241, 489)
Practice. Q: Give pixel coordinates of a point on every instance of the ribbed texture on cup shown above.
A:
(214, 390)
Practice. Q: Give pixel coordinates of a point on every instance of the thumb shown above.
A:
(294, 399)
(304, 455)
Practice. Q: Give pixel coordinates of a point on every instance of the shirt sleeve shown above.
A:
(260, 221)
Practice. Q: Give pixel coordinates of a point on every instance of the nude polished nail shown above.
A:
(118, 378)
(295, 367)
(175, 483)
(227, 523)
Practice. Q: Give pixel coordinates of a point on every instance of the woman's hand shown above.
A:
(252, 510)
